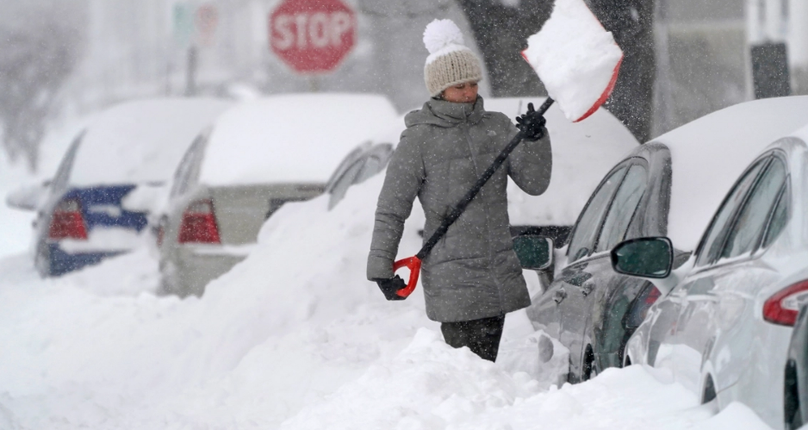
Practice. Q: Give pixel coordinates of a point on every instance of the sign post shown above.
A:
(312, 36)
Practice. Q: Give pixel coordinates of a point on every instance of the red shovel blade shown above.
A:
(414, 264)
(576, 58)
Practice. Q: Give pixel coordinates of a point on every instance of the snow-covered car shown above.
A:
(83, 216)
(669, 186)
(725, 320)
(252, 160)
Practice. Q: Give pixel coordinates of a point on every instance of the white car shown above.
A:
(256, 157)
(723, 324)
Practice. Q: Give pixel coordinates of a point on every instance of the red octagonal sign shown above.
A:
(312, 36)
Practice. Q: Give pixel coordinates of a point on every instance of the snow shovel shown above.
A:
(578, 62)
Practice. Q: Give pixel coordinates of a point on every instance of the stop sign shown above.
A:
(312, 36)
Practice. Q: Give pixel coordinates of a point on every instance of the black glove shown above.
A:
(390, 286)
(531, 124)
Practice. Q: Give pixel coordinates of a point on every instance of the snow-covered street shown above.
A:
(293, 337)
(318, 214)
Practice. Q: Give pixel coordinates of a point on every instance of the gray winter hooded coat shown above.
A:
(472, 272)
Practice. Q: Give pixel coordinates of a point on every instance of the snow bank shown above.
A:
(300, 137)
(293, 337)
(141, 141)
(576, 58)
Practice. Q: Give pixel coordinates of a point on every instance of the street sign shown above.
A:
(183, 24)
(207, 18)
(312, 36)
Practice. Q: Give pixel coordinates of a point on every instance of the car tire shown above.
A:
(791, 399)
(708, 393)
(589, 368)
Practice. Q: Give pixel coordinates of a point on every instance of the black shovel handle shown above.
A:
(460, 207)
(414, 263)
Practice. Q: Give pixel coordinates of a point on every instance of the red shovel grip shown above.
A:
(414, 264)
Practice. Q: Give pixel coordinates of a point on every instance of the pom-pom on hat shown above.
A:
(450, 61)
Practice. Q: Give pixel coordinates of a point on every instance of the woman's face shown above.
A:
(463, 93)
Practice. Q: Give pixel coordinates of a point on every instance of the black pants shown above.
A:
(481, 336)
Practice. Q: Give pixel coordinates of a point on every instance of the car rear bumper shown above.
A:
(194, 271)
(61, 262)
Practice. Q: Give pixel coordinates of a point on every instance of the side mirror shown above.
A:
(534, 252)
(27, 197)
(645, 257)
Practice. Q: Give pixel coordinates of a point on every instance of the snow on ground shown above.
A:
(291, 338)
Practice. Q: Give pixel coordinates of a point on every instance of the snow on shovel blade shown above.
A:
(576, 58)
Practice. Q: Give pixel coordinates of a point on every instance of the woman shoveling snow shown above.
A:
(472, 277)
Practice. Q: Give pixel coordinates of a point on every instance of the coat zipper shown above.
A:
(495, 279)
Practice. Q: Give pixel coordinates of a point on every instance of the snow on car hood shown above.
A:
(709, 154)
(290, 138)
(582, 154)
(140, 141)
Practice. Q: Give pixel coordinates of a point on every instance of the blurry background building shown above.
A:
(706, 53)
(139, 48)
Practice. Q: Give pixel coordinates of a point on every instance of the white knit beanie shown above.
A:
(450, 62)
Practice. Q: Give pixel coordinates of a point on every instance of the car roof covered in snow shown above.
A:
(290, 138)
(141, 141)
(709, 154)
(583, 153)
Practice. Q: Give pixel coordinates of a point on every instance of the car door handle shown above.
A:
(587, 288)
(559, 295)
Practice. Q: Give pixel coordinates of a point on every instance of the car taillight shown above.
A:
(642, 304)
(199, 224)
(67, 222)
(782, 308)
(653, 296)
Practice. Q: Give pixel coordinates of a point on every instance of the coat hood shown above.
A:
(446, 114)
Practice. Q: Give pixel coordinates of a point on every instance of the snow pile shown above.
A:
(431, 386)
(299, 137)
(293, 337)
(141, 141)
(576, 58)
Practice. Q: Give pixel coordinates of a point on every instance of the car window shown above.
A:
(60, 179)
(622, 208)
(748, 226)
(357, 168)
(779, 216)
(712, 244)
(341, 184)
(182, 175)
(587, 227)
(375, 161)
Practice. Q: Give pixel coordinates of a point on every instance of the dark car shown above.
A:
(670, 187)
